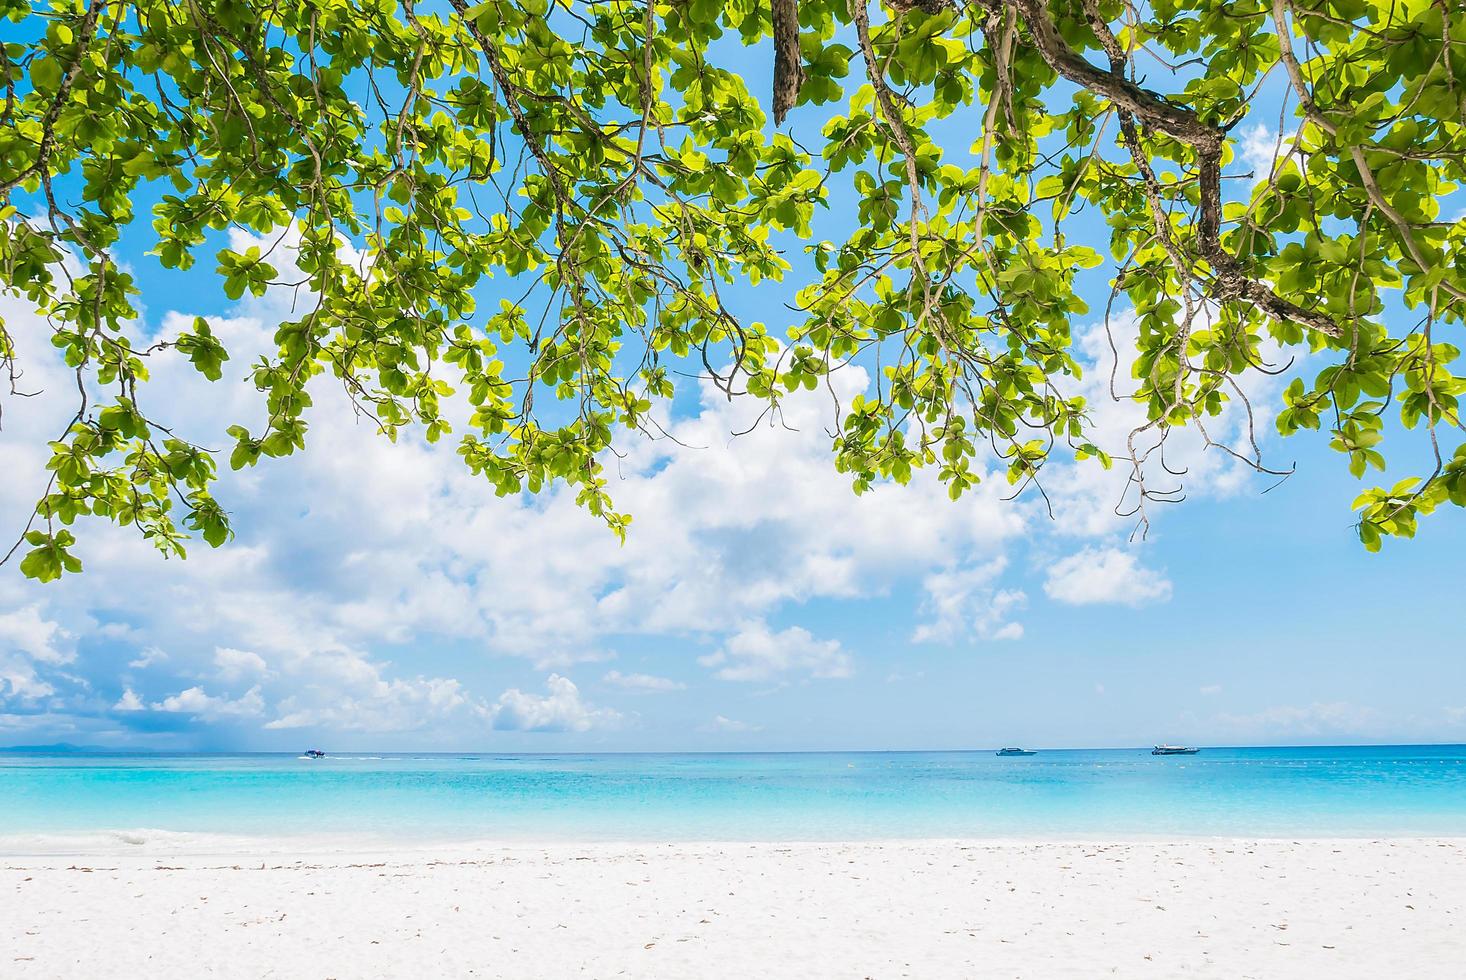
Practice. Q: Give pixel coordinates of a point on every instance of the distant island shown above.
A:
(60, 748)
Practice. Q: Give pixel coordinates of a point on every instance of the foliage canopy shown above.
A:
(610, 159)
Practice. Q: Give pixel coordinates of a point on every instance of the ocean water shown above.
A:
(1113, 793)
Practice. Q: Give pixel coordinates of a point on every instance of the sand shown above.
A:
(1215, 908)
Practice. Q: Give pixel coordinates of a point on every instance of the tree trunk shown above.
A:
(788, 65)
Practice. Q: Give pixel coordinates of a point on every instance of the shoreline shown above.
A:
(149, 842)
(1058, 909)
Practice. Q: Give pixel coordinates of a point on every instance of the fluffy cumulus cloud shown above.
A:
(963, 604)
(129, 702)
(757, 653)
(27, 632)
(196, 701)
(350, 692)
(19, 681)
(1261, 150)
(560, 709)
(1105, 575)
(1088, 500)
(360, 544)
(1259, 147)
(149, 657)
(29, 640)
(235, 664)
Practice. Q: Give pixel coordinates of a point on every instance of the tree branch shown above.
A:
(1229, 281)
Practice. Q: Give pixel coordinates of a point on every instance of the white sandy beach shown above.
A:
(1234, 909)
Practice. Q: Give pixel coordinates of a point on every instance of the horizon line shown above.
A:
(138, 750)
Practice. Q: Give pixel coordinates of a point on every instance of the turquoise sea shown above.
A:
(1268, 792)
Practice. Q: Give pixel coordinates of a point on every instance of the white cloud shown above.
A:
(1261, 150)
(757, 653)
(42, 640)
(962, 604)
(1105, 575)
(561, 710)
(149, 657)
(22, 681)
(348, 693)
(646, 683)
(723, 724)
(117, 631)
(196, 701)
(235, 664)
(359, 542)
(29, 640)
(129, 702)
(1258, 148)
(1210, 690)
(1086, 497)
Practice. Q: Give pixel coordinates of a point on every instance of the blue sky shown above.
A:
(378, 596)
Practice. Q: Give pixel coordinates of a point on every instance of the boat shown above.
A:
(1015, 751)
(1173, 750)
(313, 754)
